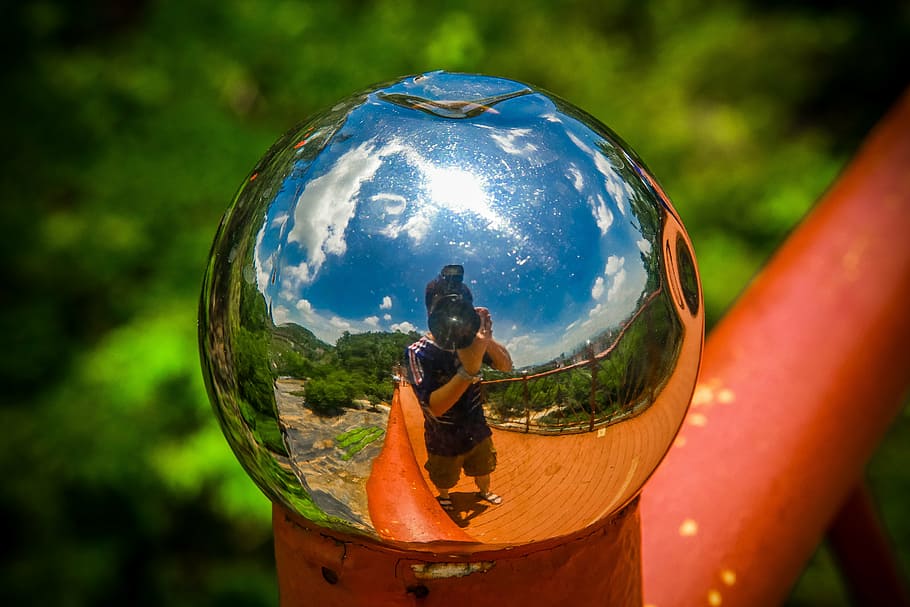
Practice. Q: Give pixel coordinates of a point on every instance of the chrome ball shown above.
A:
(316, 286)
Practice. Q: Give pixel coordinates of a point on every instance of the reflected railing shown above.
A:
(593, 392)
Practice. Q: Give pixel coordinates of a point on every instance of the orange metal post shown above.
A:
(798, 385)
(599, 567)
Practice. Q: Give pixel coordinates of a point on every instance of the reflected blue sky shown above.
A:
(536, 204)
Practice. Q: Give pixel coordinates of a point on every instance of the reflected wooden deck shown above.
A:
(551, 485)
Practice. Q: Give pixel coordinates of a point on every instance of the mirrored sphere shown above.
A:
(315, 315)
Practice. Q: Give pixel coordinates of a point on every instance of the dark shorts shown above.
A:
(446, 470)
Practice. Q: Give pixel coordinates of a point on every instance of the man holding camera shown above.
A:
(445, 372)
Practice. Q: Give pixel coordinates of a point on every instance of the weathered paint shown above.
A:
(799, 383)
(438, 571)
(599, 567)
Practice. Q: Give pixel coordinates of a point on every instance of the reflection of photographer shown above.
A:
(445, 370)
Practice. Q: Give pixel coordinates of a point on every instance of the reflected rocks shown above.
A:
(315, 289)
(333, 455)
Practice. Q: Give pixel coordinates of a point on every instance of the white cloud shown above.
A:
(620, 191)
(299, 273)
(615, 273)
(386, 303)
(644, 246)
(262, 264)
(417, 227)
(616, 190)
(326, 326)
(580, 144)
(404, 327)
(578, 180)
(521, 345)
(509, 141)
(616, 291)
(292, 279)
(604, 167)
(341, 323)
(530, 350)
(326, 206)
(306, 316)
(395, 203)
(602, 215)
(265, 264)
(386, 317)
(598, 289)
(621, 294)
(614, 265)
(280, 220)
(281, 315)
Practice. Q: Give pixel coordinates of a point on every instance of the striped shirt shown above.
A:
(463, 426)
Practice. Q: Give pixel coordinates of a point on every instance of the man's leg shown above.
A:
(480, 463)
(484, 493)
(444, 472)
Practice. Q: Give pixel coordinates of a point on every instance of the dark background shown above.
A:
(129, 125)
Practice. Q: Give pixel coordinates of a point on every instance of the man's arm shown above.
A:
(443, 397)
(500, 359)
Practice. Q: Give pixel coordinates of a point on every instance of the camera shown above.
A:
(452, 319)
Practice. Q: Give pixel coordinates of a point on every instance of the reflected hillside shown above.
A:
(355, 372)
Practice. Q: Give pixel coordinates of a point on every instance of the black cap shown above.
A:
(449, 281)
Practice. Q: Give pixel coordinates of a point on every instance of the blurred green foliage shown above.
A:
(130, 124)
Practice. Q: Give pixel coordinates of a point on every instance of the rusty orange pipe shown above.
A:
(328, 569)
(798, 384)
(402, 507)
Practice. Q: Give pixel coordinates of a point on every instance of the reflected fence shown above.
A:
(607, 381)
(598, 387)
